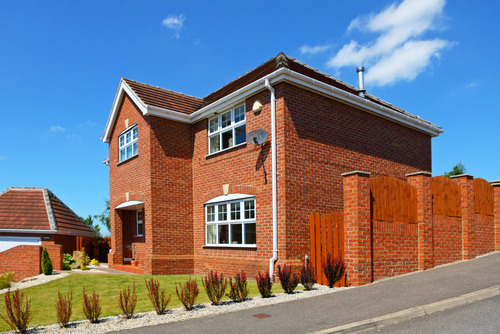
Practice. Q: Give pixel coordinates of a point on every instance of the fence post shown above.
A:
(496, 189)
(422, 183)
(357, 240)
(466, 184)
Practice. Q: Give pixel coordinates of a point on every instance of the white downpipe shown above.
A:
(275, 184)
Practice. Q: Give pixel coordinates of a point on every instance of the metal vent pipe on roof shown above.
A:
(361, 81)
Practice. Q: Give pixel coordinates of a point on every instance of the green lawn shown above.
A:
(44, 297)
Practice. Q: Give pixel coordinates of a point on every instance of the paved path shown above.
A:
(352, 305)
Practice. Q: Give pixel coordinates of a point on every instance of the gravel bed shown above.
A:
(114, 323)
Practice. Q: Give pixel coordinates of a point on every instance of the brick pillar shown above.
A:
(357, 229)
(422, 183)
(496, 189)
(115, 256)
(465, 181)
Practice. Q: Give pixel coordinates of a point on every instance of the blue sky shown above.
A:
(62, 62)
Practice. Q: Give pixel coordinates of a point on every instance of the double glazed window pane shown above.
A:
(223, 234)
(236, 234)
(240, 135)
(226, 120)
(222, 212)
(215, 144)
(239, 114)
(250, 233)
(249, 209)
(235, 211)
(211, 234)
(227, 139)
(214, 124)
(210, 213)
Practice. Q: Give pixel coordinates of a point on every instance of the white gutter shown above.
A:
(272, 260)
(282, 74)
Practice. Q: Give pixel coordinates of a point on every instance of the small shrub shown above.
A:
(84, 260)
(46, 263)
(6, 279)
(94, 262)
(64, 308)
(68, 260)
(188, 293)
(128, 301)
(18, 311)
(215, 286)
(288, 279)
(334, 269)
(307, 276)
(238, 290)
(157, 296)
(91, 306)
(264, 284)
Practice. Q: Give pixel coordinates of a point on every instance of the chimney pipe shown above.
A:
(361, 81)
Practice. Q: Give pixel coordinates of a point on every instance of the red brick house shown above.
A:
(189, 194)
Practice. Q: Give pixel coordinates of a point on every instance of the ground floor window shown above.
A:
(231, 222)
(140, 223)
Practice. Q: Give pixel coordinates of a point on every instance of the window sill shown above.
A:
(225, 150)
(127, 160)
(235, 246)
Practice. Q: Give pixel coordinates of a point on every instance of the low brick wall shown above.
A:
(24, 260)
(56, 254)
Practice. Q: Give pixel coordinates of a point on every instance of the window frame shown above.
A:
(123, 147)
(213, 207)
(220, 131)
(137, 220)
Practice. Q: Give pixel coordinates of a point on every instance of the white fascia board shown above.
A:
(282, 74)
(123, 88)
(364, 104)
(15, 230)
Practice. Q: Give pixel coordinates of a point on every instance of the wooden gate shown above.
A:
(327, 236)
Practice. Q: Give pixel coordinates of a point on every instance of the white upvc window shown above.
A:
(227, 130)
(140, 223)
(231, 223)
(128, 143)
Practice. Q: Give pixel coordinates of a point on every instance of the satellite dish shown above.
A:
(257, 137)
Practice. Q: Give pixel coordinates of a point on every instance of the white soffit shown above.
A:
(130, 205)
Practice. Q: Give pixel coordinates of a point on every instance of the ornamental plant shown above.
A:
(288, 279)
(157, 296)
(64, 308)
(46, 263)
(215, 286)
(334, 269)
(238, 291)
(83, 261)
(68, 260)
(127, 301)
(188, 293)
(307, 276)
(6, 279)
(264, 284)
(18, 311)
(91, 306)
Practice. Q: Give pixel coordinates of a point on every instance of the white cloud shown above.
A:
(86, 124)
(313, 49)
(175, 23)
(472, 84)
(57, 128)
(399, 52)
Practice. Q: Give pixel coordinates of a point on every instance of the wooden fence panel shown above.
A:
(393, 200)
(327, 236)
(446, 197)
(483, 197)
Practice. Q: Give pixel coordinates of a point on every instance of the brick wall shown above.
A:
(23, 260)
(395, 249)
(447, 239)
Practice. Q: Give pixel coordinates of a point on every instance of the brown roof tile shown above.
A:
(167, 99)
(25, 208)
(164, 98)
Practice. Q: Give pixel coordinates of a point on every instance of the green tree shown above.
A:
(46, 262)
(456, 170)
(89, 221)
(104, 217)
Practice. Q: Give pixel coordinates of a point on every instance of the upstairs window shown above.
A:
(227, 130)
(231, 223)
(128, 143)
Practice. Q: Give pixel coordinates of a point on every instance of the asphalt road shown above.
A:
(480, 317)
(352, 305)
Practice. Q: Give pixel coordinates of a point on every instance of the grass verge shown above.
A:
(44, 297)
